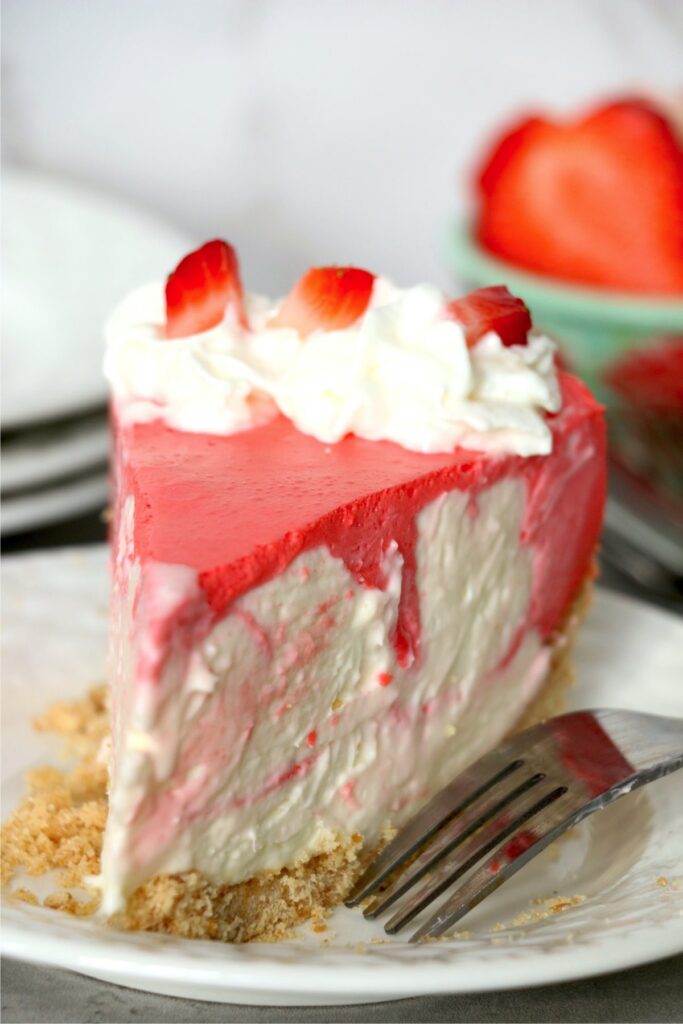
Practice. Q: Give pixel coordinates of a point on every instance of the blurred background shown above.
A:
(304, 131)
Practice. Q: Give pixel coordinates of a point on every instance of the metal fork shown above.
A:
(508, 806)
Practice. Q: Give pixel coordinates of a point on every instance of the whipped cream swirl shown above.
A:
(402, 373)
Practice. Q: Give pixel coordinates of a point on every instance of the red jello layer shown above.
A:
(240, 508)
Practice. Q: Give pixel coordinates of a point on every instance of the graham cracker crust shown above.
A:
(60, 826)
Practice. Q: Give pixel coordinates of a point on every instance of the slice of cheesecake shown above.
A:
(353, 533)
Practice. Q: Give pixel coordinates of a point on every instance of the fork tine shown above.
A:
(555, 817)
(454, 835)
(467, 787)
(471, 852)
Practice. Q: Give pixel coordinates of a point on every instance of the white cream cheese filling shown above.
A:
(292, 722)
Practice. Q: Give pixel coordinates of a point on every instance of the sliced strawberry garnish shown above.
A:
(598, 199)
(326, 299)
(201, 288)
(492, 309)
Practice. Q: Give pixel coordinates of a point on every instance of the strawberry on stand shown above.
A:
(595, 200)
(647, 432)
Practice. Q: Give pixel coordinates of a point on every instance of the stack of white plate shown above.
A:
(68, 256)
(53, 472)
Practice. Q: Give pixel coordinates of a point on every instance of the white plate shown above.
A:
(69, 254)
(34, 457)
(630, 655)
(53, 504)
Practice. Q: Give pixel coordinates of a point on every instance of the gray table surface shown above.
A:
(650, 993)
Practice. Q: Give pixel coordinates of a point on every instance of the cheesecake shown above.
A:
(353, 532)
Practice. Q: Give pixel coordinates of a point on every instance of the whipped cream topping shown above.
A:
(402, 372)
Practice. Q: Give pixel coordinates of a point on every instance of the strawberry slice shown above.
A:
(651, 377)
(326, 299)
(596, 200)
(203, 285)
(491, 309)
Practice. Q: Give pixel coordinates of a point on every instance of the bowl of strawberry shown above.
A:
(583, 218)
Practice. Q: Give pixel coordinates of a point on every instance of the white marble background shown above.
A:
(308, 131)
